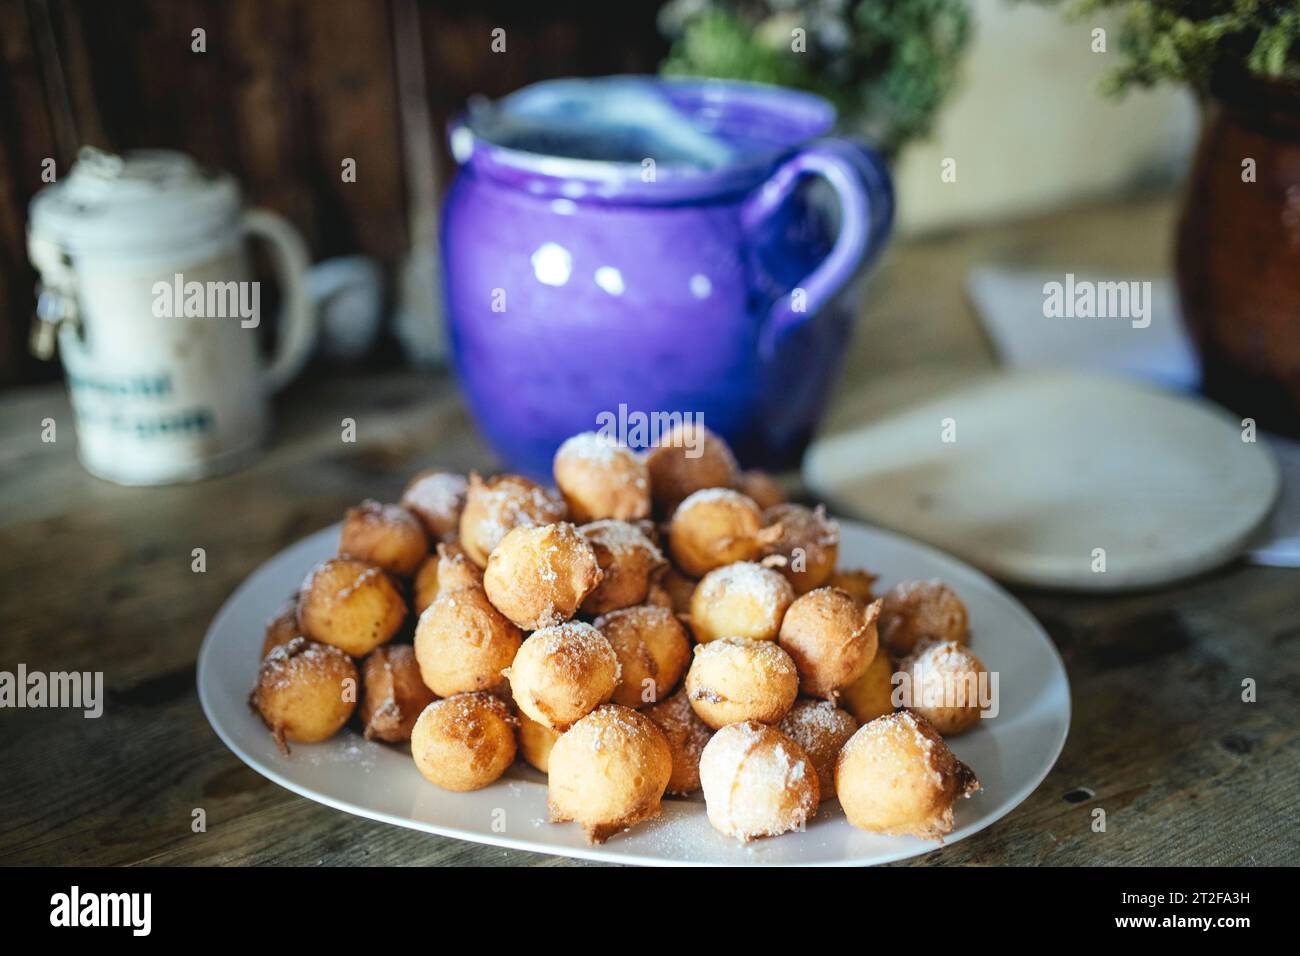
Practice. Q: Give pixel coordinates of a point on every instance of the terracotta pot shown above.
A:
(1238, 257)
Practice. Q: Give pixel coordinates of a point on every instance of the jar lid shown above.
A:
(146, 200)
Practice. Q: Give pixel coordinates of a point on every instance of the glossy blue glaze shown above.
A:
(573, 286)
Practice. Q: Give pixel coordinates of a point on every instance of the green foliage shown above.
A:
(1188, 41)
(886, 64)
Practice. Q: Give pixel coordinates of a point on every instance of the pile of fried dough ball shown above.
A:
(662, 624)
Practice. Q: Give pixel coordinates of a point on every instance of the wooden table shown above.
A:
(97, 577)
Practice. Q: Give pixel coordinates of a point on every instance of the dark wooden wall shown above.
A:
(285, 91)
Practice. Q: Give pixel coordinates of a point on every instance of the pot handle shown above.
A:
(861, 183)
(297, 321)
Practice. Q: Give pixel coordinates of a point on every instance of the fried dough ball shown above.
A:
(914, 610)
(464, 742)
(353, 605)
(809, 542)
(686, 735)
(535, 742)
(562, 673)
(688, 459)
(757, 782)
(659, 597)
(305, 692)
(717, 526)
(760, 486)
(943, 683)
(832, 639)
(679, 589)
(608, 772)
(395, 694)
(822, 730)
(540, 576)
(734, 679)
(386, 535)
(653, 652)
(857, 583)
(282, 628)
(897, 776)
(871, 695)
(740, 600)
(437, 499)
(650, 529)
(462, 643)
(448, 570)
(495, 507)
(629, 562)
(601, 479)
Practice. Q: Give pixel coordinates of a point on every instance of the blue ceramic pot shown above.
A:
(579, 287)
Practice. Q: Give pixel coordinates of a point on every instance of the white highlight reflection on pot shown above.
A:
(552, 264)
(610, 279)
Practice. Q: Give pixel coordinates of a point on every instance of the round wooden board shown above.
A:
(1048, 473)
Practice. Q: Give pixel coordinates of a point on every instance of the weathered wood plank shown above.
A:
(96, 576)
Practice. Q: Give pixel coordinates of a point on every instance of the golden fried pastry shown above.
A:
(659, 597)
(282, 628)
(832, 639)
(608, 772)
(535, 742)
(679, 589)
(464, 742)
(734, 679)
(353, 605)
(385, 535)
(717, 526)
(686, 735)
(495, 507)
(760, 486)
(914, 610)
(688, 459)
(897, 776)
(395, 695)
(305, 692)
(871, 695)
(562, 673)
(944, 685)
(425, 586)
(822, 730)
(650, 528)
(809, 542)
(757, 782)
(448, 570)
(629, 562)
(601, 479)
(857, 583)
(437, 499)
(653, 652)
(540, 576)
(462, 643)
(740, 600)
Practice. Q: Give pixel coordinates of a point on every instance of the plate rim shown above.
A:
(603, 853)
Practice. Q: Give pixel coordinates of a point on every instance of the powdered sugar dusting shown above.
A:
(621, 538)
(766, 657)
(812, 720)
(573, 648)
(766, 588)
(508, 502)
(594, 448)
(715, 495)
(756, 781)
(437, 492)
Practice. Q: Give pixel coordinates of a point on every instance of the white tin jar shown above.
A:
(147, 287)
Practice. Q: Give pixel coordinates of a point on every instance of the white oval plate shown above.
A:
(1010, 753)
